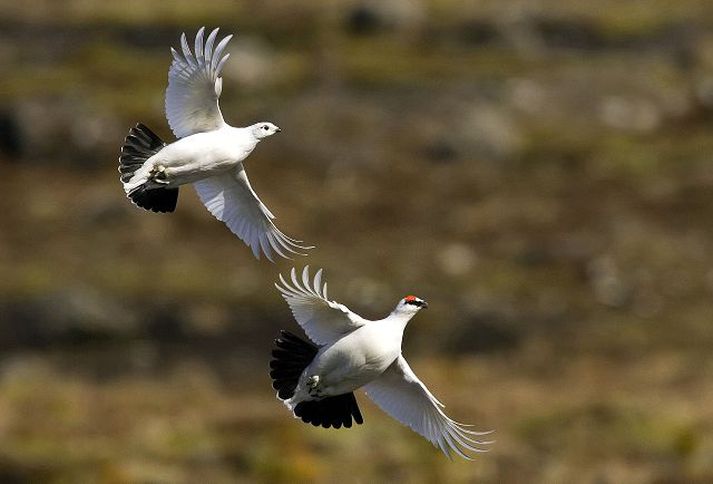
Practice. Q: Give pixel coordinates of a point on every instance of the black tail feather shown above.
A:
(155, 199)
(328, 412)
(290, 358)
(141, 144)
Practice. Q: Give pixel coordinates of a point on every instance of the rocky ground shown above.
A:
(540, 173)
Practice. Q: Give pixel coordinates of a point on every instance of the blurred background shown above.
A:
(540, 172)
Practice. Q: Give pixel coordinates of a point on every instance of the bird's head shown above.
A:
(411, 305)
(264, 129)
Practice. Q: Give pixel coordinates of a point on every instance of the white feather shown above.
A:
(400, 393)
(231, 199)
(209, 152)
(323, 321)
(194, 86)
(356, 352)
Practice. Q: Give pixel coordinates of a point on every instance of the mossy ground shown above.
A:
(540, 174)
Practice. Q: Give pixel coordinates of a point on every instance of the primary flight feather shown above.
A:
(209, 153)
(316, 381)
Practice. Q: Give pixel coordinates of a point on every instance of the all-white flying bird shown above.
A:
(317, 382)
(208, 153)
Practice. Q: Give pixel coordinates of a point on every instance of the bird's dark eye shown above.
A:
(265, 127)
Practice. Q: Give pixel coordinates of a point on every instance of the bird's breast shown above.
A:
(200, 156)
(355, 360)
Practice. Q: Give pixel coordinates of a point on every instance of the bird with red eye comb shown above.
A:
(317, 381)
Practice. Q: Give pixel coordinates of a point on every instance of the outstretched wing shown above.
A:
(231, 199)
(400, 393)
(194, 85)
(323, 321)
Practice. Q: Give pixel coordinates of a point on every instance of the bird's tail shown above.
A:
(141, 144)
(290, 359)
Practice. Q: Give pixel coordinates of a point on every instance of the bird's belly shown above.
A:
(197, 157)
(189, 168)
(345, 367)
(350, 381)
(192, 170)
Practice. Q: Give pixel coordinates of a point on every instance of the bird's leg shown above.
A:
(313, 381)
(158, 174)
(313, 386)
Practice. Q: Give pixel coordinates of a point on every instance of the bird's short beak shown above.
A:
(279, 130)
(424, 305)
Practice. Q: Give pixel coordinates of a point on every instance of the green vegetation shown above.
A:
(540, 173)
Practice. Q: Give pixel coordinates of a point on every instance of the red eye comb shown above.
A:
(410, 298)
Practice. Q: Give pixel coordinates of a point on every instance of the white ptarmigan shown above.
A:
(209, 152)
(316, 382)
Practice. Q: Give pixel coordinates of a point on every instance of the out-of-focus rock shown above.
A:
(441, 151)
(528, 96)
(607, 283)
(10, 136)
(68, 314)
(628, 114)
(478, 32)
(490, 132)
(363, 19)
(457, 259)
(252, 62)
(368, 17)
(569, 33)
(67, 129)
(519, 33)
